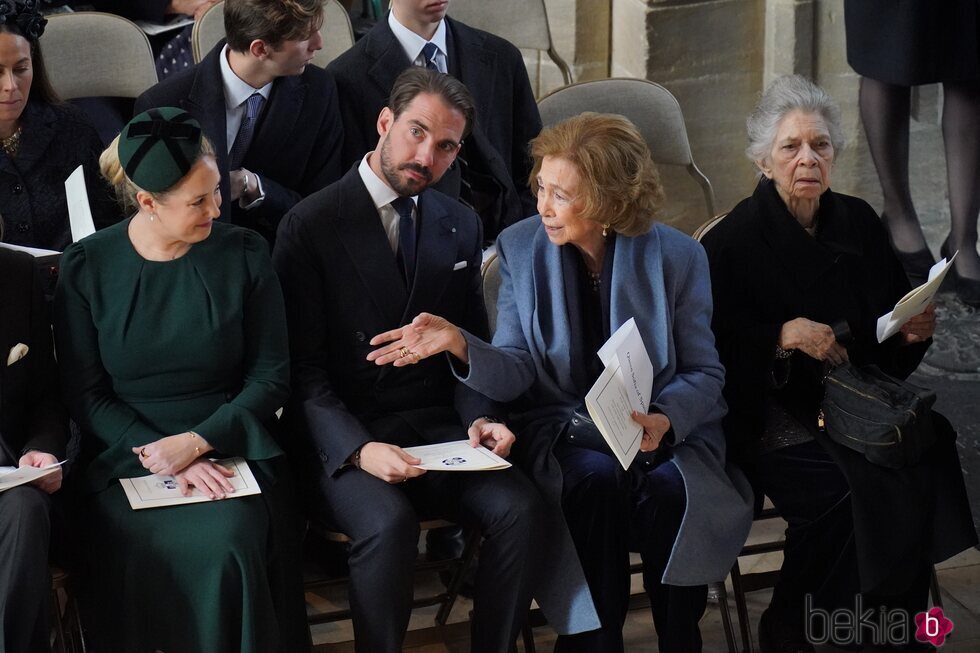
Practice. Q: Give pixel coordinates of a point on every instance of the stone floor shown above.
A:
(959, 579)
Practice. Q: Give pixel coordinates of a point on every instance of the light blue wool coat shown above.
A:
(661, 279)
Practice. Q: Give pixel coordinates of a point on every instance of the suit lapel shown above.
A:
(469, 60)
(278, 120)
(359, 229)
(206, 101)
(638, 290)
(387, 57)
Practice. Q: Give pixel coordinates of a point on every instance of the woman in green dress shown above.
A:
(172, 345)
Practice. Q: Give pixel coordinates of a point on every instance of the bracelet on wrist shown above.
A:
(783, 354)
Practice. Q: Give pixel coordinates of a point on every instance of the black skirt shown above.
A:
(912, 42)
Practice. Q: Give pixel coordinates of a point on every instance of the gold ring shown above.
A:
(403, 352)
(417, 357)
(143, 452)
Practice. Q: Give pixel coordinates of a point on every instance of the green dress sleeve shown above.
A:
(86, 385)
(239, 427)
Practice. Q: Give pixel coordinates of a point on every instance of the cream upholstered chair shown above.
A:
(651, 107)
(79, 64)
(490, 272)
(522, 22)
(336, 31)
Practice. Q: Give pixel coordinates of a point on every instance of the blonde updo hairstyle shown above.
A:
(112, 170)
(620, 184)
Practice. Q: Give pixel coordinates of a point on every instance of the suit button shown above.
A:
(23, 227)
(576, 421)
(17, 189)
(323, 455)
(360, 336)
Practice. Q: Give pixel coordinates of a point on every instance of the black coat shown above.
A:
(55, 140)
(31, 413)
(342, 287)
(296, 146)
(506, 113)
(765, 271)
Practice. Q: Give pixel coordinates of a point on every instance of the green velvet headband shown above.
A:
(158, 147)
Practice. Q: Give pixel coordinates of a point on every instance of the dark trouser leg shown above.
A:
(658, 509)
(25, 530)
(811, 494)
(596, 503)
(508, 510)
(384, 532)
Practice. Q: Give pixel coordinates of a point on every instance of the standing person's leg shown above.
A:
(25, 530)
(885, 112)
(961, 137)
(812, 495)
(508, 510)
(384, 532)
(659, 503)
(596, 503)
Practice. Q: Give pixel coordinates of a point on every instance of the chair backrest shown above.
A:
(491, 288)
(522, 22)
(80, 62)
(337, 33)
(703, 230)
(649, 106)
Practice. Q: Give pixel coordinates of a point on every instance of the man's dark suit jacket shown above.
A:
(342, 287)
(31, 414)
(295, 150)
(493, 70)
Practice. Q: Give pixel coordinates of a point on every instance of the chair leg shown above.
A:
(718, 592)
(937, 596)
(58, 623)
(527, 635)
(740, 608)
(452, 591)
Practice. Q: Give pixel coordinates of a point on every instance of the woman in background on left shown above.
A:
(42, 141)
(172, 343)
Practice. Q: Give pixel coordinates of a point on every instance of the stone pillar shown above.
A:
(580, 31)
(789, 38)
(709, 54)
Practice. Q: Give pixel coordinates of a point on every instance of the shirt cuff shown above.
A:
(258, 200)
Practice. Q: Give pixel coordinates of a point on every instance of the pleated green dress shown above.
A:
(149, 349)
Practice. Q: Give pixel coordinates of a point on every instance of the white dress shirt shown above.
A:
(383, 195)
(412, 43)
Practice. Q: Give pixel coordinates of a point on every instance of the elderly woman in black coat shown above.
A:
(800, 275)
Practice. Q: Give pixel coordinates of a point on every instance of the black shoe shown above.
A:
(776, 636)
(967, 289)
(916, 264)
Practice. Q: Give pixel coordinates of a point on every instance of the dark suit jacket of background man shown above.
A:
(342, 287)
(494, 72)
(296, 146)
(31, 414)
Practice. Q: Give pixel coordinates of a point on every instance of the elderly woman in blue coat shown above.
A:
(592, 260)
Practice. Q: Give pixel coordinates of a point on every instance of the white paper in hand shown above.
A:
(458, 456)
(14, 476)
(914, 302)
(79, 211)
(159, 490)
(625, 385)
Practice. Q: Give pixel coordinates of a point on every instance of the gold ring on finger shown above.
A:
(403, 352)
(143, 452)
(417, 356)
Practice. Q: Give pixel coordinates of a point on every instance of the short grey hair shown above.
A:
(784, 95)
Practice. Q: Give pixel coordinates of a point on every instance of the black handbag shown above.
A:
(582, 432)
(884, 418)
